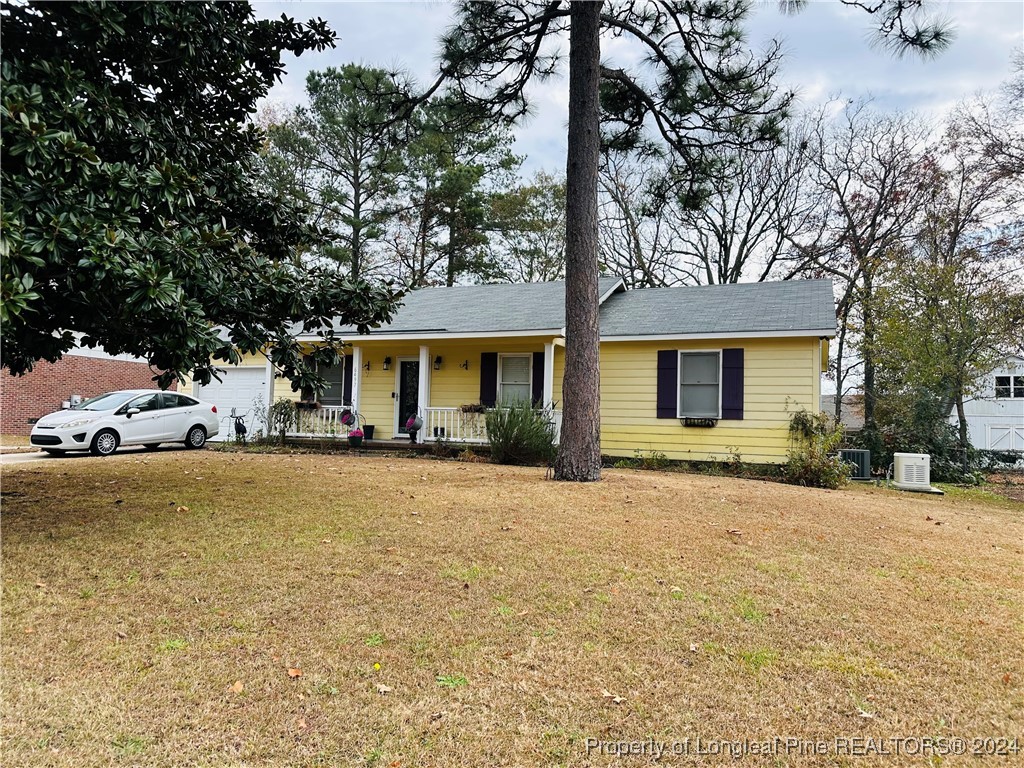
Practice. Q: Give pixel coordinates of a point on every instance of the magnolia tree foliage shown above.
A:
(130, 215)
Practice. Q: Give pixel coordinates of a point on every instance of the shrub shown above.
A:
(814, 438)
(520, 435)
(280, 417)
(653, 460)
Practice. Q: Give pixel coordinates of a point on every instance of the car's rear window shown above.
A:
(174, 400)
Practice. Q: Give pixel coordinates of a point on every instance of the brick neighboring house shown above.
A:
(85, 372)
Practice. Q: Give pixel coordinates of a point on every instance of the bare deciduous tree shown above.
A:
(871, 175)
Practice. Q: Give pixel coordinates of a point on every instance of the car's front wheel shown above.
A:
(195, 437)
(105, 442)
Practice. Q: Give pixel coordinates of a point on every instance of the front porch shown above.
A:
(450, 385)
(449, 424)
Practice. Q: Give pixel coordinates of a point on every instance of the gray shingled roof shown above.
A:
(503, 308)
(793, 305)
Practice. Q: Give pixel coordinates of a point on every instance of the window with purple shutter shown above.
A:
(537, 393)
(668, 379)
(732, 383)
(346, 381)
(489, 378)
(696, 391)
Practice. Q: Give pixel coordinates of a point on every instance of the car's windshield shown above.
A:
(106, 402)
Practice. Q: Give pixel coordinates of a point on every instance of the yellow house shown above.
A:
(696, 373)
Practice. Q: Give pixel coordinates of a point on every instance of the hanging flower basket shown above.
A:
(348, 418)
(412, 426)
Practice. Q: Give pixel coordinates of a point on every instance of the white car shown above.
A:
(130, 417)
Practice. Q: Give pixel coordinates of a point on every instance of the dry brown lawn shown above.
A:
(225, 609)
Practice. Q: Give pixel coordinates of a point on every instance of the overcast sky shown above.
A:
(828, 50)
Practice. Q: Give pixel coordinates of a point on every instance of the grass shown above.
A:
(339, 610)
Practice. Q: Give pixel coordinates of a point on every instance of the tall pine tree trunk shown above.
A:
(579, 455)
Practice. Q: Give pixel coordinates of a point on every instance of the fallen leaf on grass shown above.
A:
(182, 509)
(384, 689)
(693, 647)
(40, 584)
(294, 672)
(236, 687)
(735, 531)
(865, 715)
(1006, 679)
(609, 695)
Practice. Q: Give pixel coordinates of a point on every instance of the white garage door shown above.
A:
(1006, 437)
(239, 388)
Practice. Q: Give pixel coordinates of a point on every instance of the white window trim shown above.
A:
(342, 364)
(995, 385)
(529, 377)
(679, 381)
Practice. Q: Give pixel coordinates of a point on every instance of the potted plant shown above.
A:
(355, 437)
(412, 426)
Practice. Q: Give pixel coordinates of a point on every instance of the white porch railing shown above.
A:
(324, 421)
(461, 427)
(448, 423)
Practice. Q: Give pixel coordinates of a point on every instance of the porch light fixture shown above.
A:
(464, 364)
(387, 363)
(437, 363)
(366, 365)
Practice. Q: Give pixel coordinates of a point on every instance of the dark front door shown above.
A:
(408, 391)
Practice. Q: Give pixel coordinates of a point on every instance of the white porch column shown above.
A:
(356, 361)
(423, 396)
(549, 375)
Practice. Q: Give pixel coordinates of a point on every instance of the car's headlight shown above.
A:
(79, 422)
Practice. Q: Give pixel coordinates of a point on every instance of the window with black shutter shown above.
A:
(700, 385)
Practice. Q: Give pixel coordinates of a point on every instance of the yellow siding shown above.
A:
(559, 372)
(780, 376)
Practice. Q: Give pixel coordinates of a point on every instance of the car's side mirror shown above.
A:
(131, 412)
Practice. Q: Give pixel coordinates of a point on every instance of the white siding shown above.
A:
(996, 422)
